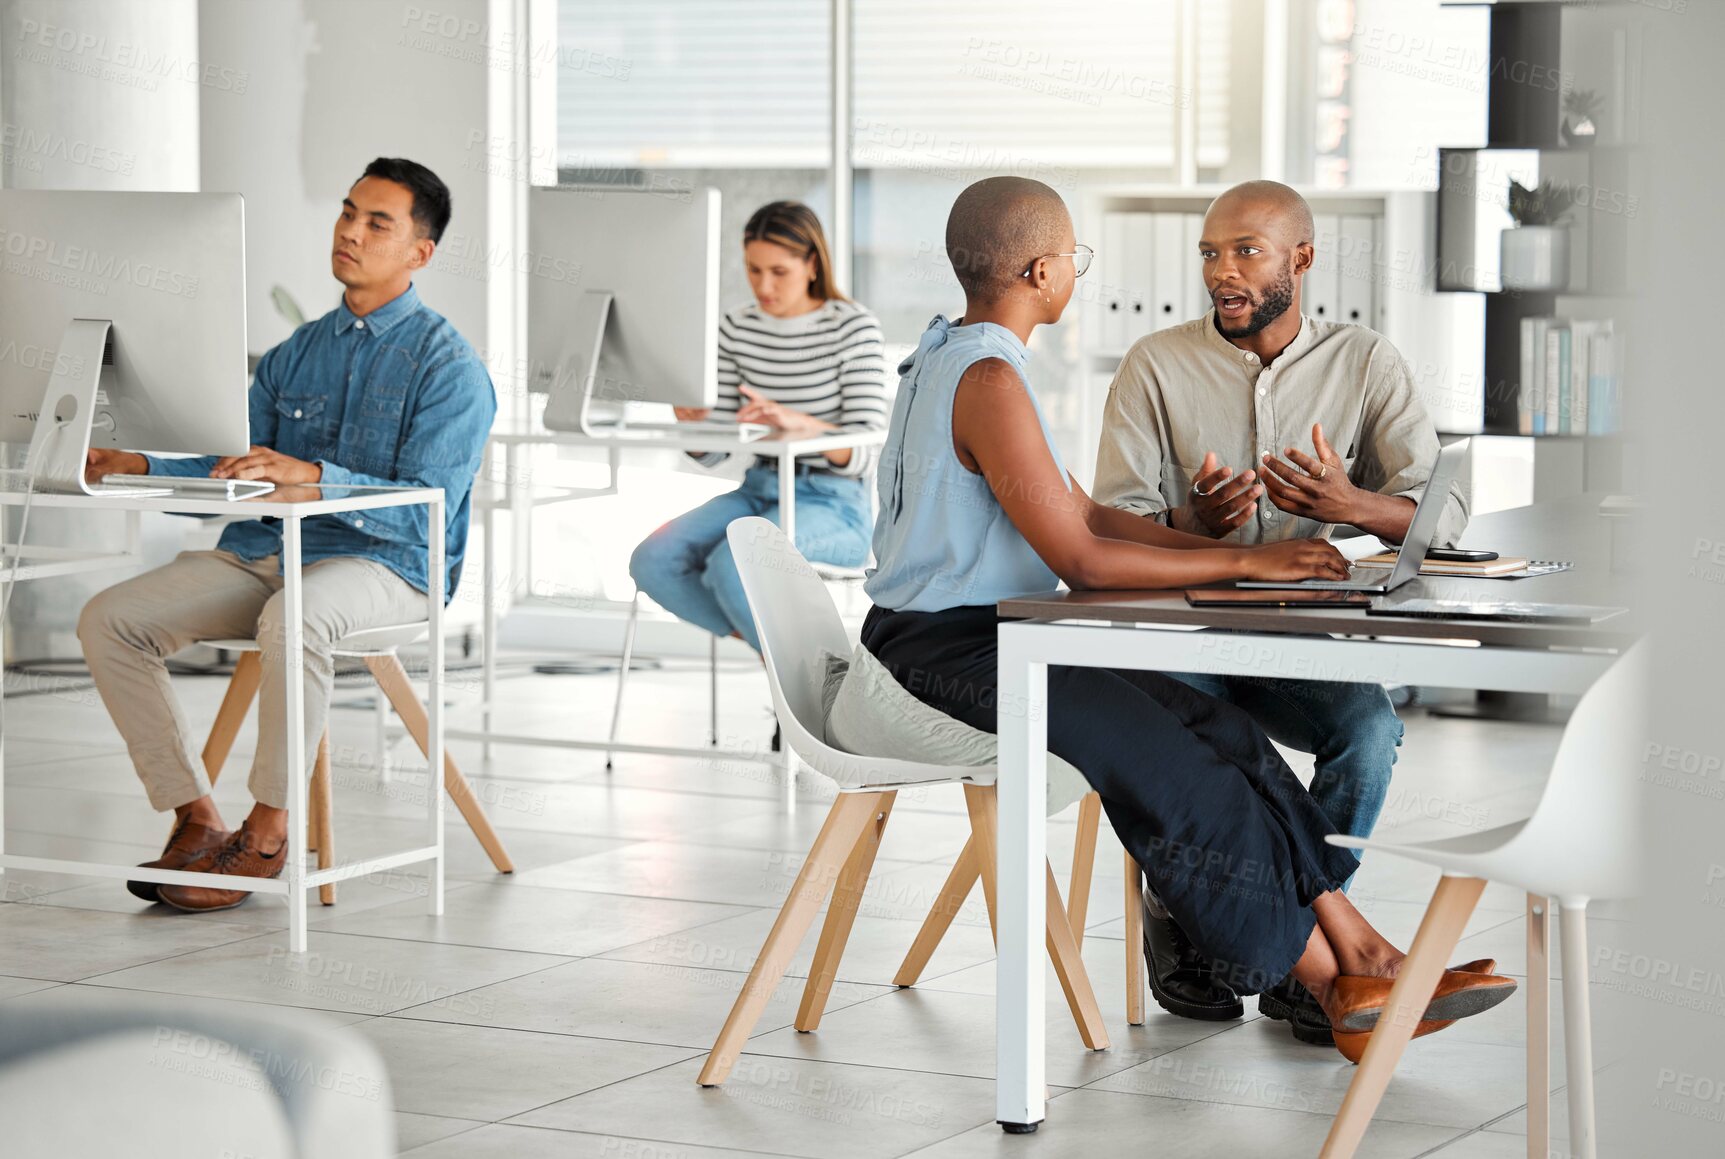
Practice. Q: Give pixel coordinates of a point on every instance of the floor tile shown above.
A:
(480, 1072)
(632, 1001)
(545, 921)
(416, 1130)
(13, 987)
(1089, 1123)
(873, 953)
(673, 869)
(504, 1141)
(797, 1107)
(362, 975)
(1440, 1081)
(65, 945)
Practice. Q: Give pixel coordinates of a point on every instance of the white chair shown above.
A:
(377, 648)
(629, 626)
(797, 623)
(1578, 846)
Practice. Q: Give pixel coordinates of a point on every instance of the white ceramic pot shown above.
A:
(1534, 257)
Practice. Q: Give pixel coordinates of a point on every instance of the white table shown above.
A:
(517, 498)
(1156, 631)
(292, 506)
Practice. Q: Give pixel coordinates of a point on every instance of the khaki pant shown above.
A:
(129, 630)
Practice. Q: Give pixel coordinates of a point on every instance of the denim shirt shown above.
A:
(396, 398)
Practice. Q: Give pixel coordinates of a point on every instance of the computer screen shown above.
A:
(167, 270)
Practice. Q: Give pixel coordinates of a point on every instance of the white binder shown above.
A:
(1197, 293)
(1319, 296)
(1113, 263)
(1168, 280)
(1141, 258)
(1356, 292)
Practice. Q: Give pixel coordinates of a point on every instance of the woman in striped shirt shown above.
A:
(803, 358)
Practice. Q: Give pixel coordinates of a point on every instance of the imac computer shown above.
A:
(122, 325)
(622, 304)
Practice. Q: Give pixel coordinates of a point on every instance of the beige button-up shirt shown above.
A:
(1186, 390)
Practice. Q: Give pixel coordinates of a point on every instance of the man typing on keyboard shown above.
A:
(381, 391)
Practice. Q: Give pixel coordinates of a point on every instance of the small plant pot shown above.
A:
(1580, 133)
(1534, 257)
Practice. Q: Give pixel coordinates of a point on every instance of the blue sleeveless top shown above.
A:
(941, 539)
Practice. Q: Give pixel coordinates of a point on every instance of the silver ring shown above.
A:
(1323, 469)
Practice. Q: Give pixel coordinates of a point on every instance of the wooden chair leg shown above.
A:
(1068, 964)
(1439, 931)
(980, 802)
(231, 716)
(1069, 968)
(323, 816)
(1538, 1026)
(1135, 980)
(386, 669)
(849, 816)
(947, 903)
(1083, 864)
(841, 916)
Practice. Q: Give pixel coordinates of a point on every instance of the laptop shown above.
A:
(1414, 547)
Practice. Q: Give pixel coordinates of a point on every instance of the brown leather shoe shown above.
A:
(1459, 994)
(1353, 1045)
(187, 843)
(241, 857)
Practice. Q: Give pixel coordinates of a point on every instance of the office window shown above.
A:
(1376, 86)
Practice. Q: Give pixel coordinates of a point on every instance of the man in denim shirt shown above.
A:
(379, 391)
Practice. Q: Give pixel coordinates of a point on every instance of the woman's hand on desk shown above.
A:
(759, 409)
(270, 466)
(691, 414)
(101, 461)
(1294, 559)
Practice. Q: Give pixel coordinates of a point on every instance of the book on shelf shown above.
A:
(1569, 377)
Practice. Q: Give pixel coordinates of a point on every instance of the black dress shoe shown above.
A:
(1182, 980)
(1288, 1001)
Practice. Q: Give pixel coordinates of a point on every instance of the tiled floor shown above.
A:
(564, 1010)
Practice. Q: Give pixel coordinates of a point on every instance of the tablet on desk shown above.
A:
(1245, 598)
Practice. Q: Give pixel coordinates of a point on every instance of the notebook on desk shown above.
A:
(1503, 567)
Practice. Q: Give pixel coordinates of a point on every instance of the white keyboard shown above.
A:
(742, 432)
(197, 486)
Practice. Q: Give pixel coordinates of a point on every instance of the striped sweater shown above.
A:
(829, 363)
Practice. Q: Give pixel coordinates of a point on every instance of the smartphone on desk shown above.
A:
(1249, 598)
(1459, 555)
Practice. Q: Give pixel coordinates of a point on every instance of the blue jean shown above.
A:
(1351, 729)
(686, 565)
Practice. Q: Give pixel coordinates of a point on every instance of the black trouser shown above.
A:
(1232, 842)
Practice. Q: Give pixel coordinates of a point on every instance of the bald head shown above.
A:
(1273, 208)
(998, 227)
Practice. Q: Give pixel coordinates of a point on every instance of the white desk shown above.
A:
(1156, 631)
(515, 498)
(292, 506)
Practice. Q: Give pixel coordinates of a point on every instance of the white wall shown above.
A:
(94, 94)
(331, 85)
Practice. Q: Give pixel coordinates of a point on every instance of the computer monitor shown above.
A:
(123, 320)
(622, 300)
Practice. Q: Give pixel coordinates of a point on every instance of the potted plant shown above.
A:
(1580, 106)
(1535, 254)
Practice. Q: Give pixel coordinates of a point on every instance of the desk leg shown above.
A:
(1020, 885)
(434, 699)
(488, 626)
(788, 524)
(293, 665)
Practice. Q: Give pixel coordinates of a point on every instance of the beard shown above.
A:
(1272, 304)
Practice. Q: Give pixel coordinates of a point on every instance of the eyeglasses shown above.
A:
(1080, 261)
